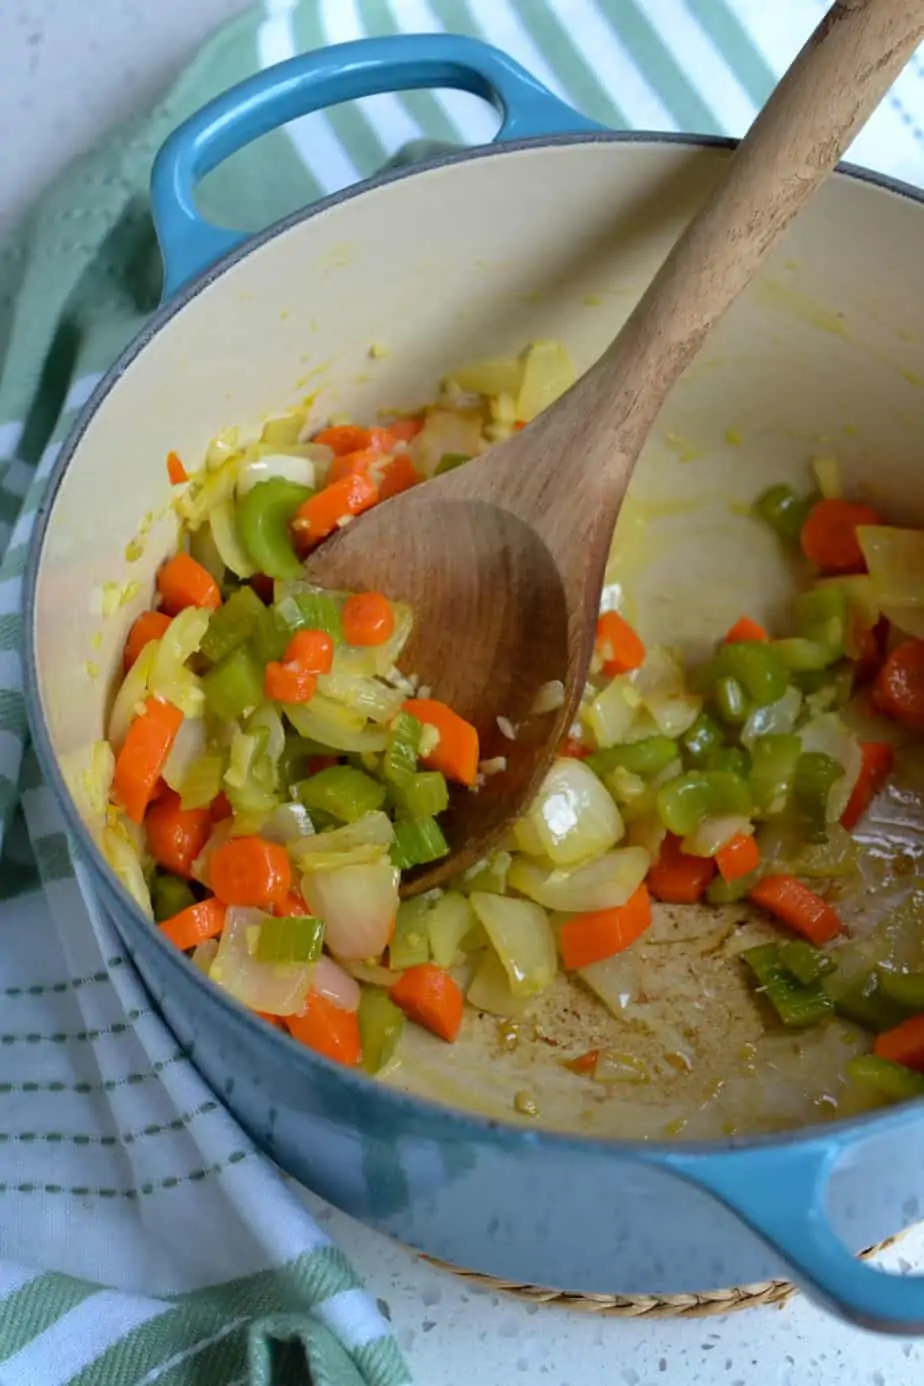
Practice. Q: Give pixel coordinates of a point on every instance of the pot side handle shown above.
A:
(189, 244)
(781, 1194)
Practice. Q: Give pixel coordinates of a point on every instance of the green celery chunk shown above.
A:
(757, 667)
(381, 1024)
(784, 511)
(423, 796)
(731, 701)
(449, 461)
(264, 516)
(704, 736)
(907, 988)
(807, 964)
(311, 611)
(734, 759)
(894, 1081)
(269, 636)
(409, 945)
(231, 624)
(796, 1005)
(296, 754)
(417, 841)
(773, 765)
(863, 1001)
(399, 763)
(814, 775)
(685, 801)
(802, 656)
(169, 895)
(342, 791)
(722, 892)
(234, 685)
(826, 689)
(647, 757)
(291, 939)
(821, 616)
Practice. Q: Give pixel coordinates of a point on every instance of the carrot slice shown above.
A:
(679, 879)
(288, 683)
(899, 687)
(456, 752)
(206, 919)
(368, 619)
(829, 535)
(738, 858)
(428, 995)
(220, 807)
(388, 437)
(328, 1029)
(598, 934)
(583, 1063)
(293, 904)
(149, 626)
(745, 631)
(400, 475)
(175, 469)
(903, 1044)
(144, 751)
(320, 515)
(618, 645)
(798, 907)
(353, 463)
(871, 645)
(575, 748)
(344, 438)
(251, 871)
(876, 764)
(183, 582)
(176, 835)
(274, 1020)
(311, 650)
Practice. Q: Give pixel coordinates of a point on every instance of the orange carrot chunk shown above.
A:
(876, 764)
(368, 619)
(738, 858)
(745, 631)
(196, 923)
(679, 879)
(389, 437)
(793, 904)
(183, 582)
(175, 469)
(288, 683)
(149, 626)
(251, 871)
(898, 691)
(456, 752)
(583, 1063)
(618, 645)
(429, 996)
(320, 515)
(400, 475)
(353, 463)
(144, 751)
(903, 1044)
(344, 438)
(176, 835)
(311, 650)
(574, 748)
(598, 934)
(327, 1029)
(829, 535)
(220, 807)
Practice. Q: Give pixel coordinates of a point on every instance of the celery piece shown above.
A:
(343, 791)
(399, 764)
(736, 760)
(864, 1001)
(894, 1081)
(234, 685)
(231, 624)
(269, 636)
(807, 964)
(297, 752)
(291, 939)
(803, 656)
(730, 701)
(409, 945)
(423, 796)
(773, 765)
(449, 461)
(169, 895)
(826, 689)
(448, 922)
(906, 988)
(381, 1025)
(757, 667)
(814, 775)
(821, 616)
(417, 841)
(795, 1004)
(264, 514)
(202, 782)
(704, 736)
(685, 801)
(722, 892)
(312, 611)
(649, 756)
(784, 511)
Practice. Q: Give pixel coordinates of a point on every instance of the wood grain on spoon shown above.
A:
(502, 560)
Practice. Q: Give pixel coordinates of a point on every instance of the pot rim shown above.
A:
(461, 1122)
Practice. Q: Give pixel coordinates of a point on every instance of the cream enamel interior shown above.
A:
(824, 354)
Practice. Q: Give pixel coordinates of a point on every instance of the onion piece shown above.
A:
(224, 531)
(288, 823)
(371, 835)
(611, 714)
(598, 885)
(123, 856)
(490, 377)
(332, 981)
(895, 560)
(547, 374)
(189, 746)
(446, 430)
(284, 466)
(367, 697)
(220, 834)
(204, 954)
(129, 700)
(662, 688)
(276, 988)
(522, 938)
(775, 717)
(573, 816)
(829, 735)
(712, 834)
(490, 990)
(336, 726)
(358, 905)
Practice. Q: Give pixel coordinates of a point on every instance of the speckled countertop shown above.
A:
(68, 70)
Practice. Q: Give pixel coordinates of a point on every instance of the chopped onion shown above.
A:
(895, 559)
(648, 832)
(523, 940)
(490, 990)
(373, 975)
(573, 815)
(598, 885)
(129, 700)
(828, 475)
(332, 981)
(491, 377)
(336, 726)
(612, 712)
(288, 823)
(220, 834)
(88, 774)
(122, 855)
(661, 686)
(189, 746)
(775, 717)
(550, 697)
(169, 677)
(224, 531)
(204, 955)
(368, 839)
(829, 735)
(368, 697)
(357, 904)
(547, 374)
(267, 718)
(285, 466)
(446, 430)
(276, 988)
(712, 834)
(782, 850)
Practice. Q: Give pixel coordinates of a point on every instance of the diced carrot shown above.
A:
(798, 907)
(220, 807)
(183, 582)
(288, 683)
(175, 469)
(353, 463)
(679, 879)
(738, 858)
(745, 631)
(311, 650)
(456, 752)
(903, 1044)
(400, 475)
(144, 751)
(274, 1020)
(618, 645)
(428, 995)
(368, 619)
(390, 436)
(829, 535)
(898, 691)
(149, 626)
(520, 423)
(319, 516)
(343, 438)
(176, 835)
(196, 923)
(875, 767)
(263, 586)
(328, 1029)
(871, 645)
(583, 1063)
(293, 904)
(598, 934)
(575, 748)
(250, 871)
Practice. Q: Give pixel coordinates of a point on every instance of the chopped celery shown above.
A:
(202, 781)
(731, 701)
(722, 892)
(399, 763)
(342, 791)
(263, 517)
(235, 685)
(312, 611)
(448, 922)
(296, 753)
(773, 765)
(649, 756)
(417, 841)
(381, 1025)
(907, 988)
(449, 461)
(424, 796)
(795, 1004)
(894, 1081)
(293, 939)
(704, 736)
(863, 1000)
(733, 759)
(169, 895)
(269, 636)
(784, 511)
(489, 875)
(231, 624)
(821, 616)
(251, 778)
(757, 667)
(814, 776)
(803, 656)
(409, 945)
(686, 800)
(807, 964)
(827, 689)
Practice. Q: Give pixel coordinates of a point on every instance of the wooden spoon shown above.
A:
(502, 560)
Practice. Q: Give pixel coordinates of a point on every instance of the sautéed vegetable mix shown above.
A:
(270, 773)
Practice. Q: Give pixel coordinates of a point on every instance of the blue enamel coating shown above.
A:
(344, 72)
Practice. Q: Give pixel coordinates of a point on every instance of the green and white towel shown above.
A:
(128, 1196)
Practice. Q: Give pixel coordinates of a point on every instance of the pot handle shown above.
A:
(781, 1194)
(325, 77)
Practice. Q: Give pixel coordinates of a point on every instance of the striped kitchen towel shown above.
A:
(143, 1238)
